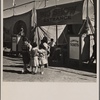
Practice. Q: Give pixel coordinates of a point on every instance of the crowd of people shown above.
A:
(36, 56)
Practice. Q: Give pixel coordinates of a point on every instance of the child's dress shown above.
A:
(34, 57)
(42, 57)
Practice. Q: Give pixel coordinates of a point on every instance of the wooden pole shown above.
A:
(34, 13)
(95, 16)
(87, 7)
(45, 3)
(56, 34)
(56, 27)
(87, 16)
(13, 10)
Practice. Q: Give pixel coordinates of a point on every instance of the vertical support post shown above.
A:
(34, 13)
(95, 17)
(68, 53)
(17, 52)
(80, 56)
(87, 16)
(45, 3)
(56, 34)
(87, 7)
(13, 10)
(13, 6)
(56, 27)
(38, 41)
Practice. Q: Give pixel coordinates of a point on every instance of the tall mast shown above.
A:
(87, 16)
(56, 27)
(13, 6)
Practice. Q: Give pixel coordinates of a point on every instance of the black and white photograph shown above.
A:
(50, 41)
(49, 49)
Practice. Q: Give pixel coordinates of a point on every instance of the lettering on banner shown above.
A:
(60, 14)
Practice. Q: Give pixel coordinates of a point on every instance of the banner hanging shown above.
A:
(70, 13)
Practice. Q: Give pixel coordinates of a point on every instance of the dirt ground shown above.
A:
(12, 67)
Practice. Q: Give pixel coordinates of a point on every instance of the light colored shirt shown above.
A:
(52, 44)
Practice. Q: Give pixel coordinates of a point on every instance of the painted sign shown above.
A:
(14, 39)
(74, 48)
(70, 13)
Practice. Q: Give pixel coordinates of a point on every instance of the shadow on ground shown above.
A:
(12, 71)
(75, 65)
(94, 76)
(17, 66)
(13, 55)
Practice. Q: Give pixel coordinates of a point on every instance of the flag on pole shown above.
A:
(13, 3)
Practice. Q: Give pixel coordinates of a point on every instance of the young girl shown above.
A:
(34, 58)
(42, 58)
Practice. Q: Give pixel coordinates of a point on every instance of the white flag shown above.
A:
(13, 3)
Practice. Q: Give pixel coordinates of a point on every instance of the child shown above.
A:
(46, 47)
(34, 58)
(42, 58)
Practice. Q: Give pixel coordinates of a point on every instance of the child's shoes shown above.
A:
(42, 73)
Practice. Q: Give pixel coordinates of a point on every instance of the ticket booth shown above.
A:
(79, 49)
(16, 44)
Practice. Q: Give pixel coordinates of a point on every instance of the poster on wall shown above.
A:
(74, 48)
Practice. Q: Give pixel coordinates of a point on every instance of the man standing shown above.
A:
(25, 54)
(51, 44)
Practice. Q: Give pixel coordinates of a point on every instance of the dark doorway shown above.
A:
(18, 25)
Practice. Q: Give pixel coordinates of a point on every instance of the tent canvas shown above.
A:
(51, 29)
(12, 25)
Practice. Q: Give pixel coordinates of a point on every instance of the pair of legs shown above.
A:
(26, 60)
(34, 64)
(34, 71)
(42, 69)
(24, 70)
(46, 65)
(93, 57)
